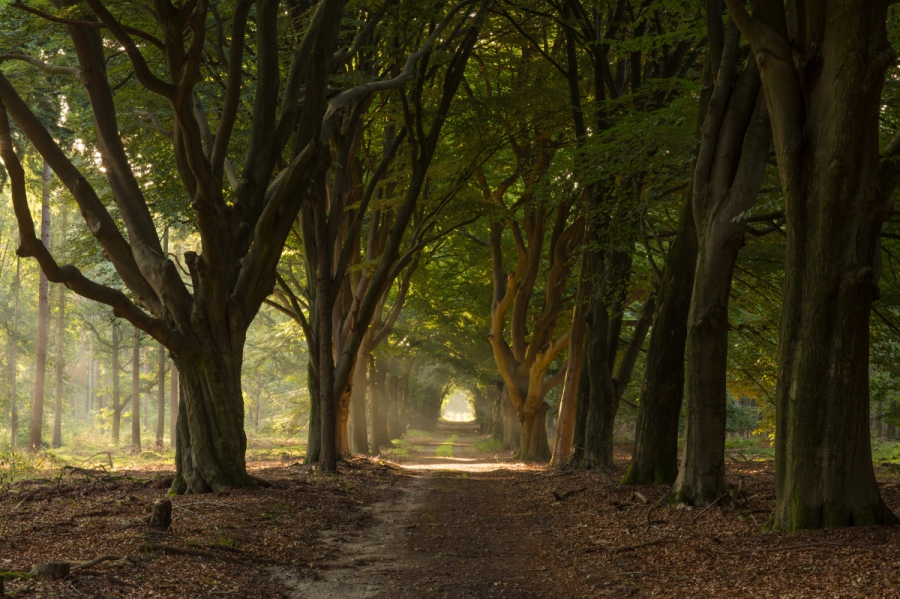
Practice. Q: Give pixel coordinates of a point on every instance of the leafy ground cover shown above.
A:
(471, 525)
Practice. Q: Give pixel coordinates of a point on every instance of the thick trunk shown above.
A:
(655, 456)
(210, 443)
(533, 445)
(136, 392)
(358, 436)
(37, 402)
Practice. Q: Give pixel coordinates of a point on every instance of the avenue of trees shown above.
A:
(591, 215)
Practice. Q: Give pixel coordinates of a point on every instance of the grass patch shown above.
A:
(445, 449)
(488, 445)
(412, 432)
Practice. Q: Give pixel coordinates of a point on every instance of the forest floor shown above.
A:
(444, 515)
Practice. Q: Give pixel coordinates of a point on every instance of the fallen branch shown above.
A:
(561, 496)
(107, 453)
(265, 484)
(154, 547)
(231, 507)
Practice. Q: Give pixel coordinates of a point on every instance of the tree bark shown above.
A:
(210, 443)
(117, 405)
(37, 401)
(314, 432)
(654, 459)
(161, 374)
(565, 423)
(60, 342)
(174, 402)
(135, 392)
(359, 439)
(497, 427)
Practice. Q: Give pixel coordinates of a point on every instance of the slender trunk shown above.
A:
(37, 402)
(565, 423)
(161, 373)
(136, 392)
(258, 398)
(497, 414)
(359, 441)
(174, 402)
(582, 407)
(380, 437)
(114, 400)
(145, 397)
(60, 342)
(13, 362)
(324, 305)
(160, 395)
(654, 459)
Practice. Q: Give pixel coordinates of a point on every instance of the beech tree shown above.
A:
(242, 230)
(823, 67)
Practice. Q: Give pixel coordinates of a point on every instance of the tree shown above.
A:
(136, 392)
(13, 362)
(823, 72)
(40, 364)
(60, 343)
(241, 240)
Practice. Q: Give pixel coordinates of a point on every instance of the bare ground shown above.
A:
(441, 520)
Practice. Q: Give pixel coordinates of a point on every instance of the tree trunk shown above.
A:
(359, 441)
(324, 304)
(604, 323)
(565, 423)
(136, 392)
(314, 431)
(160, 396)
(497, 414)
(174, 402)
(115, 400)
(380, 401)
(13, 362)
(582, 407)
(512, 428)
(60, 343)
(533, 445)
(161, 374)
(40, 366)
(654, 459)
(210, 443)
(826, 108)
(735, 141)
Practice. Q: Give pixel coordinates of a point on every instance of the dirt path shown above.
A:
(453, 527)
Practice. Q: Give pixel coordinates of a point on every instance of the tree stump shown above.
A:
(161, 516)
(52, 570)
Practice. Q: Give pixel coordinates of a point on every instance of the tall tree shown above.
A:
(13, 362)
(823, 67)
(241, 240)
(40, 358)
(136, 391)
(60, 341)
(161, 373)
